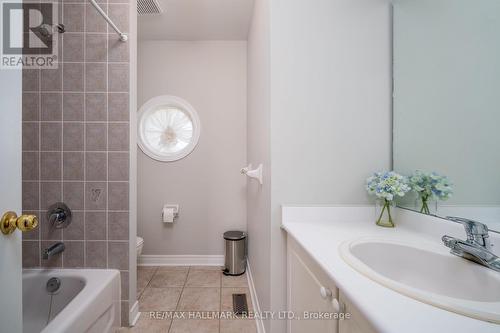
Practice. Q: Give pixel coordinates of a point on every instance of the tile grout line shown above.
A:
(39, 163)
(63, 255)
(84, 167)
(220, 298)
(107, 145)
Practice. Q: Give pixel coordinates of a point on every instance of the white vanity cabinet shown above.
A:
(356, 322)
(311, 292)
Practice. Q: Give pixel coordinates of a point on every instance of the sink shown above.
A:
(428, 273)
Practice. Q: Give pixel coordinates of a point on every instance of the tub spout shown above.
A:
(52, 250)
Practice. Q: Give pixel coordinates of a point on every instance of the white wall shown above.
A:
(330, 95)
(258, 150)
(11, 97)
(206, 184)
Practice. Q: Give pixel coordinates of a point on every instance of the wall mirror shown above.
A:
(446, 69)
(168, 128)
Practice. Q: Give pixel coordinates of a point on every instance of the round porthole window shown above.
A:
(168, 128)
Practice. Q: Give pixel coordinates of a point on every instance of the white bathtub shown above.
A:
(88, 300)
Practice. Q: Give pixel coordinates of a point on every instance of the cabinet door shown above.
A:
(356, 323)
(305, 283)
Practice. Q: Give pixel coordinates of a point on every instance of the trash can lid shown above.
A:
(235, 235)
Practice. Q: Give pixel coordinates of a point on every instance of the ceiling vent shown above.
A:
(148, 7)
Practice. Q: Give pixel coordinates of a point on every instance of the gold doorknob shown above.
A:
(10, 221)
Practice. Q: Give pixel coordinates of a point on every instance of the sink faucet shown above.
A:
(52, 250)
(477, 247)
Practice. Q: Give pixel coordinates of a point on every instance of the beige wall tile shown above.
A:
(73, 106)
(50, 136)
(73, 76)
(73, 136)
(31, 106)
(73, 165)
(118, 255)
(95, 225)
(51, 106)
(73, 254)
(75, 231)
(30, 134)
(96, 254)
(73, 195)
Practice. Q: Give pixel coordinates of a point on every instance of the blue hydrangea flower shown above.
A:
(431, 186)
(387, 185)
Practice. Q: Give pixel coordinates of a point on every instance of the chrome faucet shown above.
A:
(477, 247)
(52, 250)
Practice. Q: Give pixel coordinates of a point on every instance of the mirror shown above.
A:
(446, 70)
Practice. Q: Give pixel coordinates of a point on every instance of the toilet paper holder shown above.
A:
(255, 173)
(174, 207)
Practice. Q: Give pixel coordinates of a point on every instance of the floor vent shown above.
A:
(240, 305)
(148, 7)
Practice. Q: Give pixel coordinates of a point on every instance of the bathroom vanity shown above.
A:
(420, 286)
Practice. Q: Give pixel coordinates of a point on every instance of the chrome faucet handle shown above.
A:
(477, 232)
(59, 215)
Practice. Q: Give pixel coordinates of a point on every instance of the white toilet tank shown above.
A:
(140, 244)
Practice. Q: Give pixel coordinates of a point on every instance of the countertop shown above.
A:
(320, 231)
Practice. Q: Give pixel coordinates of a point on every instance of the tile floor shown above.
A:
(187, 290)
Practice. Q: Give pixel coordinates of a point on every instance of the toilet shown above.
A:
(140, 244)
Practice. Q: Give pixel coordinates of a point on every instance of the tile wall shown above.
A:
(76, 143)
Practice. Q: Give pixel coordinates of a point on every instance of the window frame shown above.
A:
(174, 102)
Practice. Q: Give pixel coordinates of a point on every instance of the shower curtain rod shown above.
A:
(123, 36)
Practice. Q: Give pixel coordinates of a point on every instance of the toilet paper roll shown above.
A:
(168, 215)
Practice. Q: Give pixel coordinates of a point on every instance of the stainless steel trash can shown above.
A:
(235, 260)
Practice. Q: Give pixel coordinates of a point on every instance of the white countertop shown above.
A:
(320, 230)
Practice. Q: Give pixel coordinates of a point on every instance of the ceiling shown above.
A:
(198, 20)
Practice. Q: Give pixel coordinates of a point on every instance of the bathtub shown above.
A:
(87, 300)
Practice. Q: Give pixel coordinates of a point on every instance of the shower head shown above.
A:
(148, 7)
(47, 30)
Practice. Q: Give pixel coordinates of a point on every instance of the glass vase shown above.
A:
(426, 206)
(385, 213)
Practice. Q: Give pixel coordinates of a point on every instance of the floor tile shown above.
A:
(200, 299)
(238, 326)
(174, 268)
(206, 268)
(235, 281)
(144, 275)
(145, 324)
(159, 299)
(204, 278)
(227, 298)
(195, 326)
(169, 277)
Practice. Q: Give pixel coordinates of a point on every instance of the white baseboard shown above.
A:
(255, 301)
(134, 314)
(181, 260)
